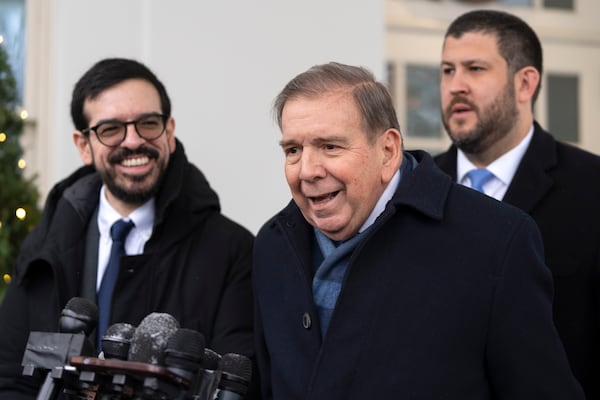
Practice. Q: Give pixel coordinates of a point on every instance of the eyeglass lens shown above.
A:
(112, 133)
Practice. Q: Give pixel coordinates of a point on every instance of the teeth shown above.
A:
(134, 162)
(324, 197)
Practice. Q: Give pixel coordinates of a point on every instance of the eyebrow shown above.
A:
(140, 116)
(286, 143)
(468, 62)
(318, 140)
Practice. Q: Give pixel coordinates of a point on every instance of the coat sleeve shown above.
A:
(14, 333)
(262, 356)
(525, 357)
(20, 298)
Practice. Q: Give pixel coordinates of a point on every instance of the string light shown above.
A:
(24, 114)
(21, 163)
(21, 213)
(6, 278)
(1, 39)
(2, 137)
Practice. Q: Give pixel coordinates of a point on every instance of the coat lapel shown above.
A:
(532, 181)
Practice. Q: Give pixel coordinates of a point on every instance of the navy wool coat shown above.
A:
(559, 186)
(448, 297)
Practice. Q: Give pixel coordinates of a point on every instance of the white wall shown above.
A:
(222, 62)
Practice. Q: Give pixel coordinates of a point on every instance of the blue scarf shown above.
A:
(327, 282)
(329, 276)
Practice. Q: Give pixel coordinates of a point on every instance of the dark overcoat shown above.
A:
(559, 186)
(447, 297)
(196, 266)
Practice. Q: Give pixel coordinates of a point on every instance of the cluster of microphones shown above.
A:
(155, 360)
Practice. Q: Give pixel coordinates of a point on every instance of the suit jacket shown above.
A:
(559, 186)
(446, 297)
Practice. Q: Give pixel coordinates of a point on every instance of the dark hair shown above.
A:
(371, 97)
(517, 42)
(105, 74)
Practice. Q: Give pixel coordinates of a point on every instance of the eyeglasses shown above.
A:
(112, 133)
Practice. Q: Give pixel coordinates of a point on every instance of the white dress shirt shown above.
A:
(142, 217)
(503, 168)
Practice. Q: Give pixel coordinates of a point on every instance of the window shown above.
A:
(12, 30)
(423, 101)
(559, 4)
(563, 106)
(555, 4)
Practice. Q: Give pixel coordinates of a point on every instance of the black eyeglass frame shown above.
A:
(94, 128)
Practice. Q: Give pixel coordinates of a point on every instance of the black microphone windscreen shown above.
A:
(184, 352)
(117, 340)
(79, 315)
(211, 359)
(151, 337)
(236, 364)
(236, 372)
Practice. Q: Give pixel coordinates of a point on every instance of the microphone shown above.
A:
(236, 372)
(205, 384)
(151, 337)
(139, 371)
(211, 359)
(184, 352)
(80, 315)
(46, 350)
(117, 340)
(51, 352)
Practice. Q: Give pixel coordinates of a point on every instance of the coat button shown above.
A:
(306, 321)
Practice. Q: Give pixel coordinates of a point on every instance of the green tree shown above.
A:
(17, 193)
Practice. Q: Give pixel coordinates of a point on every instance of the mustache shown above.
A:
(461, 100)
(122, 153)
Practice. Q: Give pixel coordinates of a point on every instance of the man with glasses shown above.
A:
(179, 255)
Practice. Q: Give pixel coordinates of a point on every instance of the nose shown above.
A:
(456, 83)
(311, 166)
(132, 139)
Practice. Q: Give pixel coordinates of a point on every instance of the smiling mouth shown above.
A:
(135, 162)
(324, 198)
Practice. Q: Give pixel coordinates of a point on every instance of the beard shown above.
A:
(139, 192)
(494, 122)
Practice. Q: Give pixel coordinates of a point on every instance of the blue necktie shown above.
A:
(479, 177)
(118, 232)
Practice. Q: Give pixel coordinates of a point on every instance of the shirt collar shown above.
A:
(503, 168)
(142, 217)
(388, 193)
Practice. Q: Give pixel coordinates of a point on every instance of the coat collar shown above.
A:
(532, 180)
(424, 189)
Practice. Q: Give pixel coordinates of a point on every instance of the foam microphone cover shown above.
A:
(151, 337)
(117, 340)
(80, 315)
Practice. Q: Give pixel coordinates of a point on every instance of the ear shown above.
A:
(391, 146)
(84, 147)
(526, 82)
